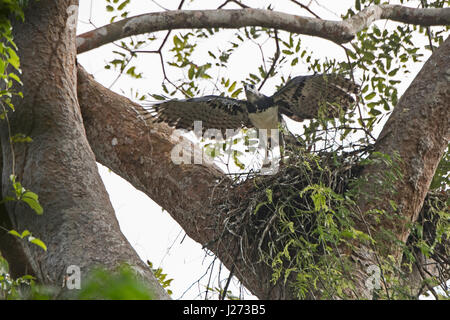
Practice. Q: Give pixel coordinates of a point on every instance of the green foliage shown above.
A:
(8, 55)
(24, 195)
(101, 284)
(304, 223)
(299, 223)
(9, 73)
(120, 285)
(119, 6)
(122, 61)
(315, 223)
(31, 239)
(430, 237)
(165, 283)
(11, 7)
(220, 293)
(12, 289)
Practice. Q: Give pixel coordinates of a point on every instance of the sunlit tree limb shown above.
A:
(336, 31)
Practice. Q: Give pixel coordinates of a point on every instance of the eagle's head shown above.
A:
(253, 95)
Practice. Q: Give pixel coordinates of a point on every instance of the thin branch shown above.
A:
(157, 4)
(306, 8)
(224, 291)
(161, 57)
(181, 4)
(275, 59)
(424, 278)
(424, 5)
(234, 1)
(325, 8)
(120, 73)
(336, 31)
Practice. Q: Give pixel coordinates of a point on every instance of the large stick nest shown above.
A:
(264, 212)
(257, 209)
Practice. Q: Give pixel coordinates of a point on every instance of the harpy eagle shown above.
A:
(301, 98)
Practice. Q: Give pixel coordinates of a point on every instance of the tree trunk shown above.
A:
(78, 226)
(418, 133)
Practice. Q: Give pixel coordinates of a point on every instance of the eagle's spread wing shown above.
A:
(302, 97)
(215, 112)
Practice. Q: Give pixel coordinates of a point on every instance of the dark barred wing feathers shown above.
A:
(303, 96)
(214, 112)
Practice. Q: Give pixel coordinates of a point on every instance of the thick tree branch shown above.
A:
(140, 152)
(418, 132)
(336, 31)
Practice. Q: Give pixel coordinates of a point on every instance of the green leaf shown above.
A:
(4, 267)
(123, 5)
(269, 194)
(212, 55)
(211, 151)
(177, 41)
(13, 58)
(370, 96)
(258, 206)
(393, 72)
(231, 88)
(374, 112)
(20, 138)
(31, 199)
(347, 234)
(15, 77)
(37, 242)
(236, 93)
(254, 77)
(236, 160)
(15, 233)
(158, 97)
(393, 205)
(25, 233)
(191, 72)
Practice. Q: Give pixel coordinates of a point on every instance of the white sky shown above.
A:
(152, 232)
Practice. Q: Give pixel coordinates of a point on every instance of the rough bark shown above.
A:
(78, 225)
(418, 132)
(337, 31)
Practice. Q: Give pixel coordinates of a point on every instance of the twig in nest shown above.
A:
(266, 229)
